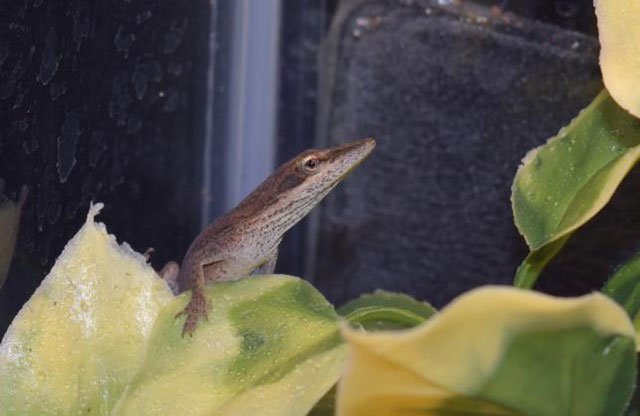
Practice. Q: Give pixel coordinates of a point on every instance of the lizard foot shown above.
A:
(198, 308)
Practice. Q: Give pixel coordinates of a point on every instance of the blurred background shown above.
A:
(171, 111)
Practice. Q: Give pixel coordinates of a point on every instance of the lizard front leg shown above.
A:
(199, 307)
(269, 266)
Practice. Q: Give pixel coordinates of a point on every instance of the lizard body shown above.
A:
(247, 237)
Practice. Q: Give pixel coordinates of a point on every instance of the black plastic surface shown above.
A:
(455, 95)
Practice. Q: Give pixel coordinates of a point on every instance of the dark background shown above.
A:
(107, 101)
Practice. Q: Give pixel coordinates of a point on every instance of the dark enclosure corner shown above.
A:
(126, 102)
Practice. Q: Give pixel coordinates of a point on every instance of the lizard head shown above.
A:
(310, 176)
(298, 185)
(326, 167)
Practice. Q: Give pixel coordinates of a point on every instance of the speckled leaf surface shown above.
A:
(83, 334)
(271, 346)
(619, 35)
(496, 351)
(564, 183)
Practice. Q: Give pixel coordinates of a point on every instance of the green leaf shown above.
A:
(383, 310)
(378, 311)
(271, 346)
(583, 373)
(496, 351)
(561, 185)
(624, 287)
(634, 405)
(536, 261)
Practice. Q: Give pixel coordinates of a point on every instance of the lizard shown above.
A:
(246, 238)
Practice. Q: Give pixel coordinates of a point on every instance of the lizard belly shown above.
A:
(236, 265)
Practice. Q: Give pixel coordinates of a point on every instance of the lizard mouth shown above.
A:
(355, 153)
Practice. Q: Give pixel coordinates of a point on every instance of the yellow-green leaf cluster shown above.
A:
(100, 337)
(83, 334)
(564, 183)
(496, 351)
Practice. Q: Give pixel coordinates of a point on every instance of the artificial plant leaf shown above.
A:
(378, 311)
(79, 339)
(619, 35)
(564, 183)
(9, 222)
(386, 310)
(535, 262)
(86, 343)
(634, 405)
(496, 351)
(624, 287)
(271, 346)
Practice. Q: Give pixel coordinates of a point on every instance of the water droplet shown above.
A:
(30, 146)
(144, 16)
(56, 90)
(50, 60)
(124, 42)
(139, 80)
(175, 68)
(98, 146)
(173, 37)
(23, 124)
(53, 213)
(171, 103)
(81, 24)
(67, 143)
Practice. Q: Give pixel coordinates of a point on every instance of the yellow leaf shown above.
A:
(619, 34)
(479, 354)
(83, 334)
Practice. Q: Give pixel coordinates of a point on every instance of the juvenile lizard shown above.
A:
(246, 238)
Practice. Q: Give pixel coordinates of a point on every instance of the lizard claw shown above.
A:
(198, 308)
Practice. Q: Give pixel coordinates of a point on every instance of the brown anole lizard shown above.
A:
(246, 238)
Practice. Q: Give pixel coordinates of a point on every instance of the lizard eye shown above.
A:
(310, 164)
